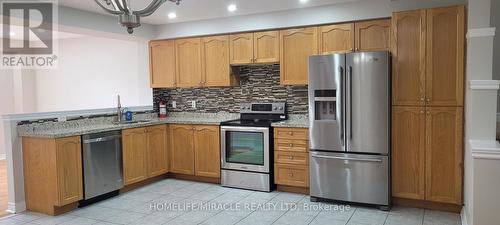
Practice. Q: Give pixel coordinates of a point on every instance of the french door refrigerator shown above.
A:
(349, 113)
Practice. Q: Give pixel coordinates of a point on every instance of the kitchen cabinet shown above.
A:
(408, 152)
(372, 35)
(427, 153)
(144, 153)
(188, 62)
(134, 154)
(182, 149)
(428, 57)
(296, 45)
(408, 58)
(195, 150)
(52, 174)
(241, 48)
(207, 151)
(444, 77)
(266, 47)
(291, 154)
(258, 47)
(337, 38)
(157, 150)
(162, 64)
(215, 62)
(444, 152)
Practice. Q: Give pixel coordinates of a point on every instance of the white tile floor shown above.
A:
(184, 202)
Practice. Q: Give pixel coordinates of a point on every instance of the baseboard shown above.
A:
(3, 156)
(16, 207)
(463, 216)
(427, 205)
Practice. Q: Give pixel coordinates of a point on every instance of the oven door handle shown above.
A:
(244, 129)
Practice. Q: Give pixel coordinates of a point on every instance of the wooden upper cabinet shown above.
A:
(215, 62)
(445, 56)
(134, 155)
(241, 48)
(374, 35)
(207, 151)
(188, 62)
(69, 170)
(444, 154)
(162, 64)
(266, 47)
(408, 152)
(408, 58)
(337, 38)
(182, 149)
(296, 45)
(157, 150)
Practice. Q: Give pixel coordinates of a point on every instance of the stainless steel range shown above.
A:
(247, 146)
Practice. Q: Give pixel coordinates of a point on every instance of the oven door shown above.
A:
(245, 148)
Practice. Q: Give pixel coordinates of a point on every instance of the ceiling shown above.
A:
(191, 10)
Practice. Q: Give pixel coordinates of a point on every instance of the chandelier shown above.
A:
(129, 18)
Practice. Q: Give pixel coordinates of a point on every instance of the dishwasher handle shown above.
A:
(101, 139)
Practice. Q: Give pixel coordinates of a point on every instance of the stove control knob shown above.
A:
(275, 108)
(281, 108)
(243, 107)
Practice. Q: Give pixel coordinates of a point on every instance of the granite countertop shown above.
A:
(89, 126)
(295, 121)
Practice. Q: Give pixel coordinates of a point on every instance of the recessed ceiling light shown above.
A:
(172, 15)
(12, 34)
(231, 8)
(303, 1)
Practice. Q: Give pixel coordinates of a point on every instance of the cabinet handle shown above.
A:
(290, 174)
(428, 112)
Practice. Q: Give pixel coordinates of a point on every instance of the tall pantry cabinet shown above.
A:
(427, 101)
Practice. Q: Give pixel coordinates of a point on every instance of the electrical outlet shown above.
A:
(174, 104)
(193, 104)
(61, 118)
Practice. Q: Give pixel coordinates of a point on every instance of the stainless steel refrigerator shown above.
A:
(349, 113)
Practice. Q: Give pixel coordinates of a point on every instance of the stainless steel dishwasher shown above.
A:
(102, 163)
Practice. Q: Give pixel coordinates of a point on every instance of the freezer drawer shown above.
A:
(350, 177)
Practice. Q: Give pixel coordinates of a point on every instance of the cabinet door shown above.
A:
(215, 61)
(69, 170)
(162, 64)
(338, 38)
(241, 48)
(266, 46)
(445, 56)
(296, 45)
(188, 62)
(182, 149)
(408, 58)
(134, 153)
(374, 35)
(444, 154)
(207, 151)
(157, 150)
(408, 152)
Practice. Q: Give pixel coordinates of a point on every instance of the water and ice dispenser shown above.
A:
(325, 103)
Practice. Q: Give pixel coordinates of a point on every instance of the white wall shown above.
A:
(358, 10)
(6, 101)
(92, 71)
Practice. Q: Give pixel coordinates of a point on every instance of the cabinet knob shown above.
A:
(290, 133)
(291, 145)
(422, 99)
(290, 174)
(428, 112)
(352, 49)
(290, 157)
(422, 112)
(428, 99)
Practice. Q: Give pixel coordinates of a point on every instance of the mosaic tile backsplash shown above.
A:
(258, 83)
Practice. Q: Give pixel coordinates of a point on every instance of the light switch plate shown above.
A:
(174, 104)
(193, 104)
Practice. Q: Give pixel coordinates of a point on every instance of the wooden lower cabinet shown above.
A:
(427, 154)
(52, 174)
(134, 154)
(207, 151)
(195, 150)
(145, 153)
(291, 157)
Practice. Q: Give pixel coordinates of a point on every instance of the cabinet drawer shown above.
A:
(291, 133)
(292, 175)
(291, 145)
(297, 158)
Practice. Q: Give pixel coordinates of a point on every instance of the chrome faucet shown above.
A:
(119, 113)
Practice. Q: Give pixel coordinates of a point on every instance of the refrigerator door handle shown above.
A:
(350, 102)
(341, 116)
(347, 158)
